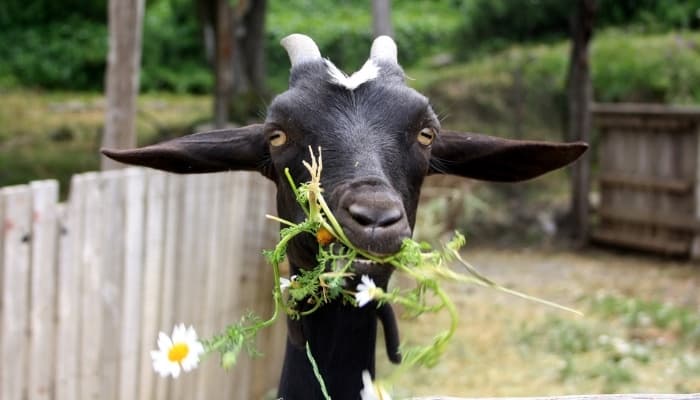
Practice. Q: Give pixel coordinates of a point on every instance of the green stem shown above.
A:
(317, 373)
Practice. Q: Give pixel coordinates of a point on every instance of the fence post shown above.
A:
(16, 226)
(69, 289)
(43, 279)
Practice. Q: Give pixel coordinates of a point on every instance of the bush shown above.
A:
(495, 24)
(73, 57)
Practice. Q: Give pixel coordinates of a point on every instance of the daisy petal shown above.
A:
(164, 342)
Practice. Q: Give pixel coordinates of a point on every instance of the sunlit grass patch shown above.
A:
(53, 135)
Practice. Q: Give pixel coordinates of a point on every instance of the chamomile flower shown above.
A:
(366, 291)
(371, 390)
(286, 283)
(178, 352)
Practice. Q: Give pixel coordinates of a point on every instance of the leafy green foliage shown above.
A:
(495, 24)
(63, 54)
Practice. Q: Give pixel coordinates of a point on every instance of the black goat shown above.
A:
(380, 138)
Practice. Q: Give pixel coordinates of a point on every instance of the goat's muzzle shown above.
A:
(372, 215)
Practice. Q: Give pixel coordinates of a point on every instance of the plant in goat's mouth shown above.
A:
(326, 282)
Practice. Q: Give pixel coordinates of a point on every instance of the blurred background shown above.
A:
(501, 67)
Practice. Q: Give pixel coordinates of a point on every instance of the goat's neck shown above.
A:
(342, 339)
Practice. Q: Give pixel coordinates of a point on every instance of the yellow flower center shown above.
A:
(178, 352)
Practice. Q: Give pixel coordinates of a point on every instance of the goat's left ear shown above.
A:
(221, 150)
(495, 159)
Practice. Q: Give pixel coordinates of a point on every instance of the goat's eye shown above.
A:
(278, 138)
(426, 136)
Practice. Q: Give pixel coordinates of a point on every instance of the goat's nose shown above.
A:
(379, 217)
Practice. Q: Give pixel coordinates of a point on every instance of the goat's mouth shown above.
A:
(380, 272)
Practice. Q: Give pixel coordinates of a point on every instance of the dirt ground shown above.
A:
(640, 332)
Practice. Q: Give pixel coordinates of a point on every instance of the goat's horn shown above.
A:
(300, 48)
(384, 48)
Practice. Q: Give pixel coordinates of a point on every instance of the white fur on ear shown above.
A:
(300, 48)
(384, 48)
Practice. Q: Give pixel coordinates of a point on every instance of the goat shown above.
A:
(380, 138)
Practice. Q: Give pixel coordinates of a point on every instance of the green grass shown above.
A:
(54, 135)
(626, 66)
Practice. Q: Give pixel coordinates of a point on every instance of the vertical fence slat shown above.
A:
(242, 373)
(113, 215)
(152, 275)
(234, 212)
(209, 268)
(130, 328)
(15, 291)
(171, 255)
(130, 254)
(260, 237)
(186, 281)
(91, 344)
(69, 285)
(43, 289)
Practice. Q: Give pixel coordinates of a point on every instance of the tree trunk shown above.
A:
(225, 28)
(381, 18)
(252, 46)
(580, 95)
(122, 83)
(206, 13)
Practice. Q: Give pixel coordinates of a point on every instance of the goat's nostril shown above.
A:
(376, 217)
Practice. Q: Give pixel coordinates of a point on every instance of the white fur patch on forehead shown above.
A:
(368, 72)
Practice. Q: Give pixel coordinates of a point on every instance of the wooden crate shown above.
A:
(648, 173)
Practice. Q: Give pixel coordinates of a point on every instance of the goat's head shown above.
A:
(379, 139)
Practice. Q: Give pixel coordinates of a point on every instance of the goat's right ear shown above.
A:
(242, 148)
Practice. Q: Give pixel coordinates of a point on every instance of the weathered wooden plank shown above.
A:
(207, 386)
(640, 241)
(69, 289)
(641, 182)
(659, 110)
(652, 396)
(189, 280)
(260, 236)
(666, 125)
(14, 325)
(132, 283)
(172, 253)
(662, 220)
(91, 336)
(245, 298)
(112, 215)
(233, 216)
(156, 206)
(274, 338)
(43, 285)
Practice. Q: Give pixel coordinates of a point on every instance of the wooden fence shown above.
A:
(648, 177)
(86, 285)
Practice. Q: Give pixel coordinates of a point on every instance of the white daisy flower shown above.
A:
(366, 291)
(286, 283)
(372, 391)
(176, 352)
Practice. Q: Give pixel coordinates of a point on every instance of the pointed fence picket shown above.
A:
(86, 285)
